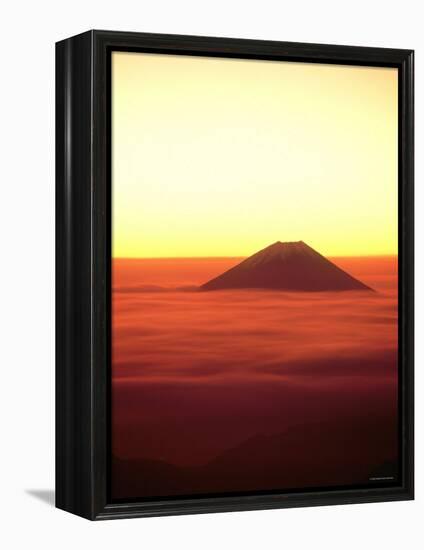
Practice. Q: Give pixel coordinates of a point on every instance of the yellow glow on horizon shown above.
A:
(222, 157)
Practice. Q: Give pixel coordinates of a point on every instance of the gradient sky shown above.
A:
(222, 157)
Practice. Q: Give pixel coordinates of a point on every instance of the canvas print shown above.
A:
(254, 303)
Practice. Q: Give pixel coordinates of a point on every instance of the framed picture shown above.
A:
(234, 274)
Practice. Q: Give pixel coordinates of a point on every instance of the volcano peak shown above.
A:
(290, 266)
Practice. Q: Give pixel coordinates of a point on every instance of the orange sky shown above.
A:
(222, 157)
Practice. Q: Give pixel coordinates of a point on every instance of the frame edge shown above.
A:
(74, 390)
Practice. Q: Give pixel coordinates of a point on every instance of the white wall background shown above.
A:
(28, 32)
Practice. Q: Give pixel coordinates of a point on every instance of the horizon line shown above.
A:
(384, 255)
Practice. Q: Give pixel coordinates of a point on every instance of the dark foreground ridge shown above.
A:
(315, 454)
(291, 266)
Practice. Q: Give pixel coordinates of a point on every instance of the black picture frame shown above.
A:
(83, 269)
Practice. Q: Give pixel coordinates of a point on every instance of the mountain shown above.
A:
(291, 266)
(339, 451)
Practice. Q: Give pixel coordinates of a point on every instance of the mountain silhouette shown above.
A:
(291, 266)
(330, 452)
